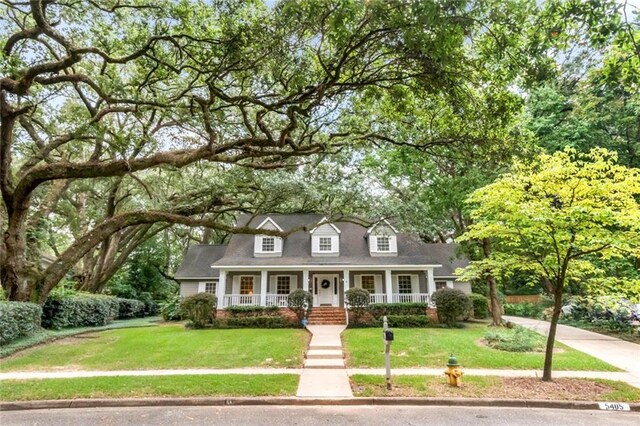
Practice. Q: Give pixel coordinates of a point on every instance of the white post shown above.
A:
(431, 282)
(389, 284)
(305, 279)
(222, 288)
(387, 350)
(263, 288)
(345, 282)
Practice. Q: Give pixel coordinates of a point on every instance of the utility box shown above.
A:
(388, 335)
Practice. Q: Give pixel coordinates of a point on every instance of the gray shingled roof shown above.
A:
(354, 249)
(198, 259)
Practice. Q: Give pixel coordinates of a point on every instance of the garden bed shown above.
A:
(496, 387)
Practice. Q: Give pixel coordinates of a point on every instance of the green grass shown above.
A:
(150, 386)
(430, 347)
(494, 387)
(44, 335)
(165, 347)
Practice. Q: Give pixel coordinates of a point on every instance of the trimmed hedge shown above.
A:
(480, 306)
(406, 321)
(200, 309)
(269, 321)
(252, 311)
(453, 305)
(18, 319)
(79, 309)
(130, 308)
(378, 310)
(296, 301)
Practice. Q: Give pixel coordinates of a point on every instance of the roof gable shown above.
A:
(269, 224)
(324, 221)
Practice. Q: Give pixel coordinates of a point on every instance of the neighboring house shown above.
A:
(324, 258)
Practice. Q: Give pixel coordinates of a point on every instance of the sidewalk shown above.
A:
(324, 374)
(619, 353)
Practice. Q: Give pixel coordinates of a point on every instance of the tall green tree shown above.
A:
(552, 215)
(94, 92)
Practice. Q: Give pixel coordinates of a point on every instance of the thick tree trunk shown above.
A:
(496, 309)
(548, 355)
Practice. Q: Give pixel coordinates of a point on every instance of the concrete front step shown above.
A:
(326, 347)
(324, 354)
(324, 363)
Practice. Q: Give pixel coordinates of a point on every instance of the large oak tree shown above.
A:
(103, 99)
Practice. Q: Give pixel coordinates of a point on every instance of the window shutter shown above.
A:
(236, 285)
(256, 283)
(272, 284)
(294, 282)
(335, 244)
(358, 281)
(373, 243)
(315, 244)
(393, 244)
(415, 284)
(394, 285)
(278, 245)
(378, 281)
(257, 244)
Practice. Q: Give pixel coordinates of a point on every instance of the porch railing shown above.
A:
(377, 298)
(410, 297)
(279, 300)
(241, 299)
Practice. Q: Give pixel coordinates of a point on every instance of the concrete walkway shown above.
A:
(619, 353)
(324, 374)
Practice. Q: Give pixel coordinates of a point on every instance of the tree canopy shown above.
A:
(550, 216)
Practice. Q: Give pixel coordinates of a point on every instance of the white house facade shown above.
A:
(324, 258)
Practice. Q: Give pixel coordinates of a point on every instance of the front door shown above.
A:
(325, 284)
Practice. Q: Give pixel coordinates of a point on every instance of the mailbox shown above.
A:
(388, 335)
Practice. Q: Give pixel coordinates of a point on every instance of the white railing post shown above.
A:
(222, 289)
(389, 285)
(263, 288)
(345, 282)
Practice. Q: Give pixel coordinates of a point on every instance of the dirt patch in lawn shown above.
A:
(492, 387)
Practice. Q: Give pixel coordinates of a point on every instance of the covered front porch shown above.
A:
(270, 286)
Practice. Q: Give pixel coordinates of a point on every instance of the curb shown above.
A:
(292, 401)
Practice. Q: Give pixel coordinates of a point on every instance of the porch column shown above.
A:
(345, 282)
(389, 285)
(263, 288)
(431, 282)
(222, 288)
(305, 279)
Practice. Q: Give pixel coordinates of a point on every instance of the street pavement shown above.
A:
(317, 415)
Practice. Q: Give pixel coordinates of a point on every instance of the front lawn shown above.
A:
(149, 386)
(431, 347)
(165, 347)
(496, 387)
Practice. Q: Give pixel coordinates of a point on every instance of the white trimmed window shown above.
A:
(283, 284)
(324, 244)
(404, 284)
(383, 243)
(268, 244)
(246, 285)
(441, 284)
(368, 283)
(210, 287)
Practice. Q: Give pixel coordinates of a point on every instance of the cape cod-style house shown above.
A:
(324, 258)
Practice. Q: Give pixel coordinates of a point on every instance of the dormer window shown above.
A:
(383, 239)
(324, 244)
(268, 245)
(382, 242)
(325, 239)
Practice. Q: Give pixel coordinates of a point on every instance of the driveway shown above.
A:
(622, 354)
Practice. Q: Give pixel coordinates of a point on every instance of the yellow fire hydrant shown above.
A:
(454, 372)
